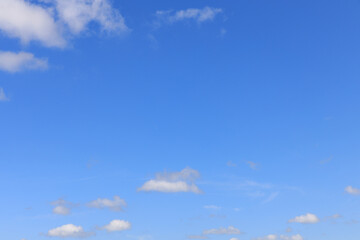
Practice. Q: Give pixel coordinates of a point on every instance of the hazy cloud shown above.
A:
(230, 230)
(15, 62)
(115, 205)
(351, 190)
(3, 97)
(182, 181)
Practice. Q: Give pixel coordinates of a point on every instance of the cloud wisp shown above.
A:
(15, 62)
(3, 97)
(351, 190)
(114, 205)
(231, 230)
(199, 15)
(182, 181)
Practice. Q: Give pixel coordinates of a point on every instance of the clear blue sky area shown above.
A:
(175, 120)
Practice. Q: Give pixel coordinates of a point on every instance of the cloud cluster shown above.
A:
(115, 205)
(182, 181)
(49, 23)
(308, 218)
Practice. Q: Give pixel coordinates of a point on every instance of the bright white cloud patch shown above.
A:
(309, 218)
(115, 205)
(61, 210)
(182, 181)
(3, 97)
(282, 237)
(196, 14)
(351, 190)
(117, 225)
(77, 14)
(15, 62)
(49, 23)
(230, 230)
(26, 21)
(69, 231)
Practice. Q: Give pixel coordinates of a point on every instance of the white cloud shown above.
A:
(49, 23)
(26, 21)
(62, 207)
(61, 210)
(234, 239)
(15, 62)
(77, 14)
(294, 237)
(3, 97)
(268, 237)
(117, 225)
(115, 205)
(196, 14)
(309, 218)
(230, 230)
(69, 231)
(182, 181)
(351, 190)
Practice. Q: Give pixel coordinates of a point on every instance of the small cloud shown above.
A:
(231, 164)
(333, 217)
(325, 161)
(117, 225)
(3, 97)
(294, 237)
(223, 231)
(62, 207)
(115, 205)
(351, 190)
(213, 207)
(288, 230)
(69, 231)
(234, 238)
(16, 62)
(182, 181)
(308, 218)
(252, 165)
(198, 15)
(268, 237)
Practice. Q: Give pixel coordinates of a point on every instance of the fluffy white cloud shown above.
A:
(69, 231)
(173, 182)
(116, 205)
(196, 14)
(230, 230)
(117, 225)
(3, 97)
(26, 21)
(49, 23)
(351, 190)
(77, 14)
(15, 62)
(309, 218)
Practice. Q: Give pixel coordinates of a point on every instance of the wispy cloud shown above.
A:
(199, 15)
(115, 205)
(352, 190)
(252, 165)
(15, 62)
(231, 230)
(3, 97)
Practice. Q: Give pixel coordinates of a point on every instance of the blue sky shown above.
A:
(158, 120)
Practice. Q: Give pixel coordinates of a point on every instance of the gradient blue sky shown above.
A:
(211, 119)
